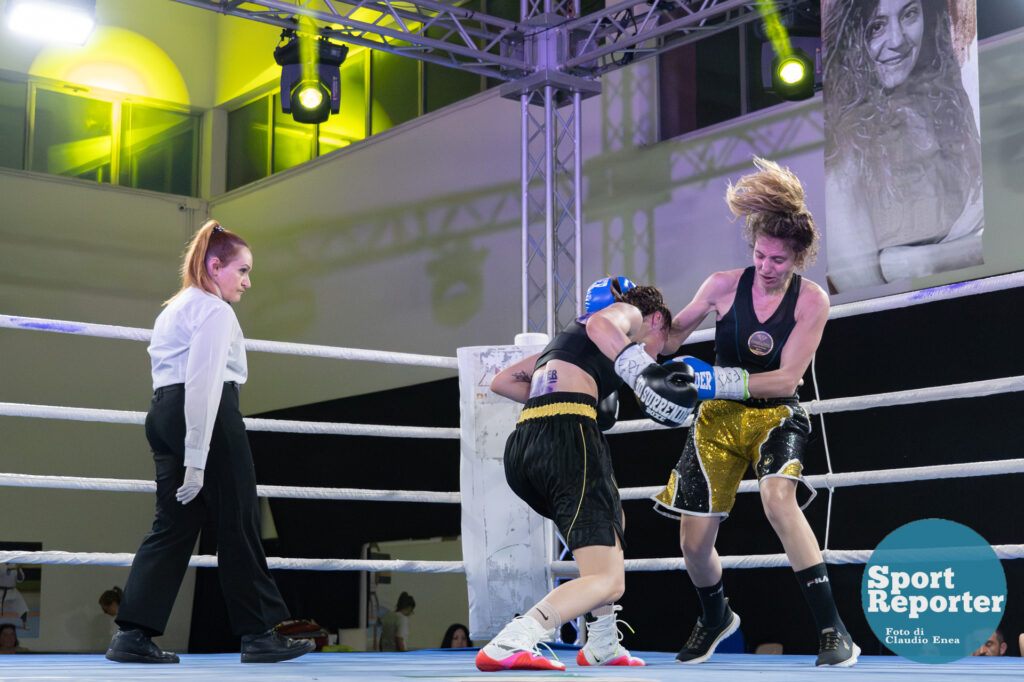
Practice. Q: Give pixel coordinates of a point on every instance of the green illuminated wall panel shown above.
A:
(13, 99)
(158, 149)
(72, 136)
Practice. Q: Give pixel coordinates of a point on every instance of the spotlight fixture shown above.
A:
(794, 70)
(310, 77)
(53, 21)
(793, 75)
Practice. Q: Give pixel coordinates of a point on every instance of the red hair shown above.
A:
(210, 241)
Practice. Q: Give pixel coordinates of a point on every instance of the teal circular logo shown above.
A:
(933, 591)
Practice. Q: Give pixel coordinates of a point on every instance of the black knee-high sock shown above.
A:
(712, 602)
(818, 593)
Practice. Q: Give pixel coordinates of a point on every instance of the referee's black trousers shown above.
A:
(228, 497)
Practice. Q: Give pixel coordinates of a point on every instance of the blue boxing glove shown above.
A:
(601, 293)
(608, 411)
(666, 394)
(729, 383)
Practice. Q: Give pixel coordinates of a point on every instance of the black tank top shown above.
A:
(743, 341)
(574, 346)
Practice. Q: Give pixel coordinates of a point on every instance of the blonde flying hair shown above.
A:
(210, 241)
(772, 201)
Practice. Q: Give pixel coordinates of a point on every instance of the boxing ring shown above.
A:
(458, 664)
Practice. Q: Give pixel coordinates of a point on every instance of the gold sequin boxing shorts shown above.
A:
(727, 436)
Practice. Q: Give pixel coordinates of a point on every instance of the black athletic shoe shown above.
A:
(836, 648)
(132, 646)
(271, 647)
(703, 640)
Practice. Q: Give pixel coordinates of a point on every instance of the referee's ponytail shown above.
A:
(210, 241)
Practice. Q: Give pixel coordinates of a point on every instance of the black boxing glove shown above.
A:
(666, 394)
(608, 411)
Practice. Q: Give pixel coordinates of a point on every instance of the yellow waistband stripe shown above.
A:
(557, 409)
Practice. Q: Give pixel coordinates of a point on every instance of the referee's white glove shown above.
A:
(192, 485)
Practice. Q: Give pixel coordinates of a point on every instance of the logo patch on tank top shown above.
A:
(760, 343)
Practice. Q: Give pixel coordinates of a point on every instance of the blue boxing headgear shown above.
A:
(601, 293)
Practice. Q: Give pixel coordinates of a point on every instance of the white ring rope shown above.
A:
(831, 556)
(89, 414)
(903, 475)
(828, 455)
(985, 285)
(110, 331)
(562, 568)
(276, 491)
(949, 291)
(966, 390)
(208, 561)
(970, 389)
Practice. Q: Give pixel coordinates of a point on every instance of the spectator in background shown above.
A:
(456, 637)
(995, 645)
(9, 640)
(10, 598)
(110, 600)
(394, 634)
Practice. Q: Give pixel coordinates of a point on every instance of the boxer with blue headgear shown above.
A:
(559, 463)
(602, 293)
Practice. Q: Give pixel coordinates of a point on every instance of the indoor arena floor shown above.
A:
(457, 665)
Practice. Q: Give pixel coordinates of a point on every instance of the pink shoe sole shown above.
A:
(625, 659)
(523, 660)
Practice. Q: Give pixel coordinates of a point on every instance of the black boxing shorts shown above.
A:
(558, 462)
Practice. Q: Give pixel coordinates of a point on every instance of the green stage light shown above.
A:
(310, 96)
(791, 71)
(310, 76)
(793, 75)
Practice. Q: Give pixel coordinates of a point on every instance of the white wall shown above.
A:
(74, 250)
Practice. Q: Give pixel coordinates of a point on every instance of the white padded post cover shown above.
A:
(507, 548)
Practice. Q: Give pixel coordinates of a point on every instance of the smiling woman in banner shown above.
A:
(902, 149)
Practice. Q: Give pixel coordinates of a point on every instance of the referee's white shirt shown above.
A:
(197, 341)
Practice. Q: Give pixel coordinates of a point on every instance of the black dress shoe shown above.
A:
(271, 647)
(132, 646)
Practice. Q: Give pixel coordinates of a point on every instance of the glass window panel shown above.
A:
(510, 9)
(395, 90)
(72, 136)
(13, 103)
(158, 149)
(349, 124)
(998, 17)
(248, 143)
(759, 59)
(503, 9)
(718, 78)
(699, 84)
(293, 142)
(443, 86)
